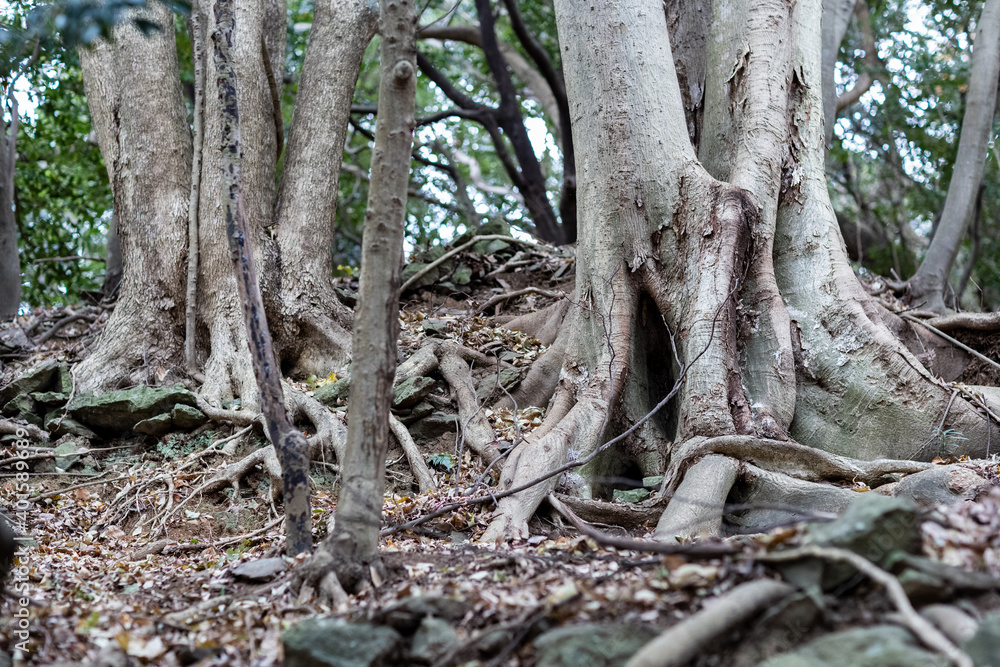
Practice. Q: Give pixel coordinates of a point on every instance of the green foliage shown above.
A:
(443, 462)
(62, 200)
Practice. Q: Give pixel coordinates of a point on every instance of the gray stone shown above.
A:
(419, 411)
(332, 392)
(65, 451)
(58, 424)
(432, 327)
(50, 399)
(155, 426)
(120, 411)
(462, 275)
(407, 614)
(509, 378)
(590, 645)
(432, 639)
(940, 485)
(878, 646)
(653, 482)
(434, 425)
(328, 642)
(39, 378)
(23, 407)
(186, 417)
(984, 646)
(630, 495)
(14, 340)
(263, 569)
(412, 391)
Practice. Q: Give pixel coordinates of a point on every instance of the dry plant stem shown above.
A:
(454, 251)
(684, 641)
(921, 628)
(52, 455)
(191, 304)
(425, 481)
(953, 341)
(8, 427)
(53, 494)
(500, 298)
(691, 550)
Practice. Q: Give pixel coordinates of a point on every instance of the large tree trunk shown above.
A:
(228, 370)
(747, 274)
(10, 263)
(137, 109)
(312, 327)
(931, 278)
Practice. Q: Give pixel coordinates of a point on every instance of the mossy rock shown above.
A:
(119, 411)
(590, 645)
(328, 642)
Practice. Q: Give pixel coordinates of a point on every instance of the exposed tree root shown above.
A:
(685, 640)
(425, 481)
(789, 458)
(626, 515)
(7, 427)
(476, 430)
(970, 321)
(695, 510)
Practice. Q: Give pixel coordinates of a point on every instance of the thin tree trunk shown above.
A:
(836, 17)
(10, 263)
(376, 322)
(289, 443)
(927, 286)
(191, 309)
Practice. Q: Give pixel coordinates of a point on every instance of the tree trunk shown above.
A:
(312, 327)
(137, 110)
(10, 263)
(354, 541)
(745, 273)
(836, 17)
(289, 443)
(929, 282)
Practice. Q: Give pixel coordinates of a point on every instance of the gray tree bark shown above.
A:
(10, 263)
(137, 109)
(743, 264)
(354, 541)
(836, 17)
(928, 284)
(313, 325)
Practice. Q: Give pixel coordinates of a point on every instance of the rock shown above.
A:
(58, 424)
(65, 451)
(50, 399)
(433, 426)
(984, 646)
(590, 645)
(187, 418)
(419, 411)
(653, 482)
(23, 407)
(328, 642)
(412, 391)
(39, 378)
(155, 426)
(509, 378)
(462, 275)
(432, 639)
(332, 392)
(120, 411)
(263, 569)
(940, 485)
(407, 614)
(630, 495)
(14, 340)
(434, 327)
(878, 646)
(874, 526)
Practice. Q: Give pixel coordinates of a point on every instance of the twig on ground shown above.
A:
(58, 492)
(425, 480)
(7, 427)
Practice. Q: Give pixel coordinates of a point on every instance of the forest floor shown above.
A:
(107, 587)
